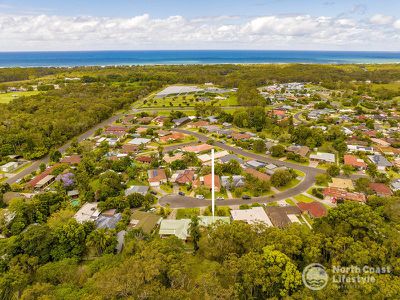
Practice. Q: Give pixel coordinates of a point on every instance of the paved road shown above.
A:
(35, 165)
(176, 201)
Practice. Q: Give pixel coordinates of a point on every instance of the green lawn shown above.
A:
(290, 185)
(290, 201)
(166, 188)
(8, 97)
(187, 213)
(303, 198)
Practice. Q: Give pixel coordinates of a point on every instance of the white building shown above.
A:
(253, 215)
(9, 167)
(324, 157)
(88, 212)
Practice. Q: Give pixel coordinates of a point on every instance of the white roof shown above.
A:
(251, 216)
(294, 219)
(88, 212)
(204, 157)
(220, 154)
(139, 141)
(45, 180)
(329, 157)
(10, 164)
(178, 89)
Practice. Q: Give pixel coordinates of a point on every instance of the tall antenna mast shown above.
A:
(212, 184)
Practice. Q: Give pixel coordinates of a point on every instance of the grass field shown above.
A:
(303, 198)
(187, 213)
(8, 97)
(290, 185)
(189, 100)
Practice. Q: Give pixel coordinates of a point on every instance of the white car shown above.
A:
(201, 197)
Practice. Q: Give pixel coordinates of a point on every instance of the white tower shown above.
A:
(212, 183)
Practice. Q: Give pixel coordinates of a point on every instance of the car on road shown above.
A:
(181, 194)
(246, 197)
(220, 198)
(201, 197)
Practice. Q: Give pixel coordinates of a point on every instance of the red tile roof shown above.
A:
(172, 137)
(257, 174)
(380, 188)
(343, 194)
(42, 175)
(353, 161)
(315, 209)
(186, 177)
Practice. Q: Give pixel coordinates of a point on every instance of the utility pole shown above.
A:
(212, 184)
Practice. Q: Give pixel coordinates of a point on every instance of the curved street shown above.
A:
(176, 201)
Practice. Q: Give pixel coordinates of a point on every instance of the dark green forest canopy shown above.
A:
(30, 126)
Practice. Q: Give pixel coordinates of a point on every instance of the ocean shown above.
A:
(164, 57)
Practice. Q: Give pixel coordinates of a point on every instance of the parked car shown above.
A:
(220, 198)
(246, 197)
(201, 197)
(181, 194)
(153, 192)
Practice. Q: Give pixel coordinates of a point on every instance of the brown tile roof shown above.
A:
(257, 174)
(72, 160)
(354, 161)
(156, 175)
(42, 175)
(197, 148)
(342, 194)
(315, 209)
(380, 188)
(186, 177)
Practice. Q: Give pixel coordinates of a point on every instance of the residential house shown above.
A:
(9, 167)
(253, 215)
(129, 149)
(380, 161)
(282, 216)
(172, 137)
(297, 149)
(157, 177)
(227, 158)
(180, 121)
(116, 130)
(241, 136)
(139, 189)
(178, 228)
(323, 157)
(108, 222)
(139, 141)
(359, 148)
(234, 181)
(335, 194)
(144, 159)
(72, 159)
(355, 162)
(380, 189)
(197, 148)
(198, 124)
(44, 182)
(257, 174)
(206, 181)
(88, 212)
(169, 159)
(184, 177)
(314, 209)
(395, 185)
(145, 120)
(255, 164)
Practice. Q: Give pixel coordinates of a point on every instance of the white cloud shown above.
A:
(381, 19)
(49, 32)
(397, 24)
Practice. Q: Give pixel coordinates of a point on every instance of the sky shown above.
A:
(47, 25)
